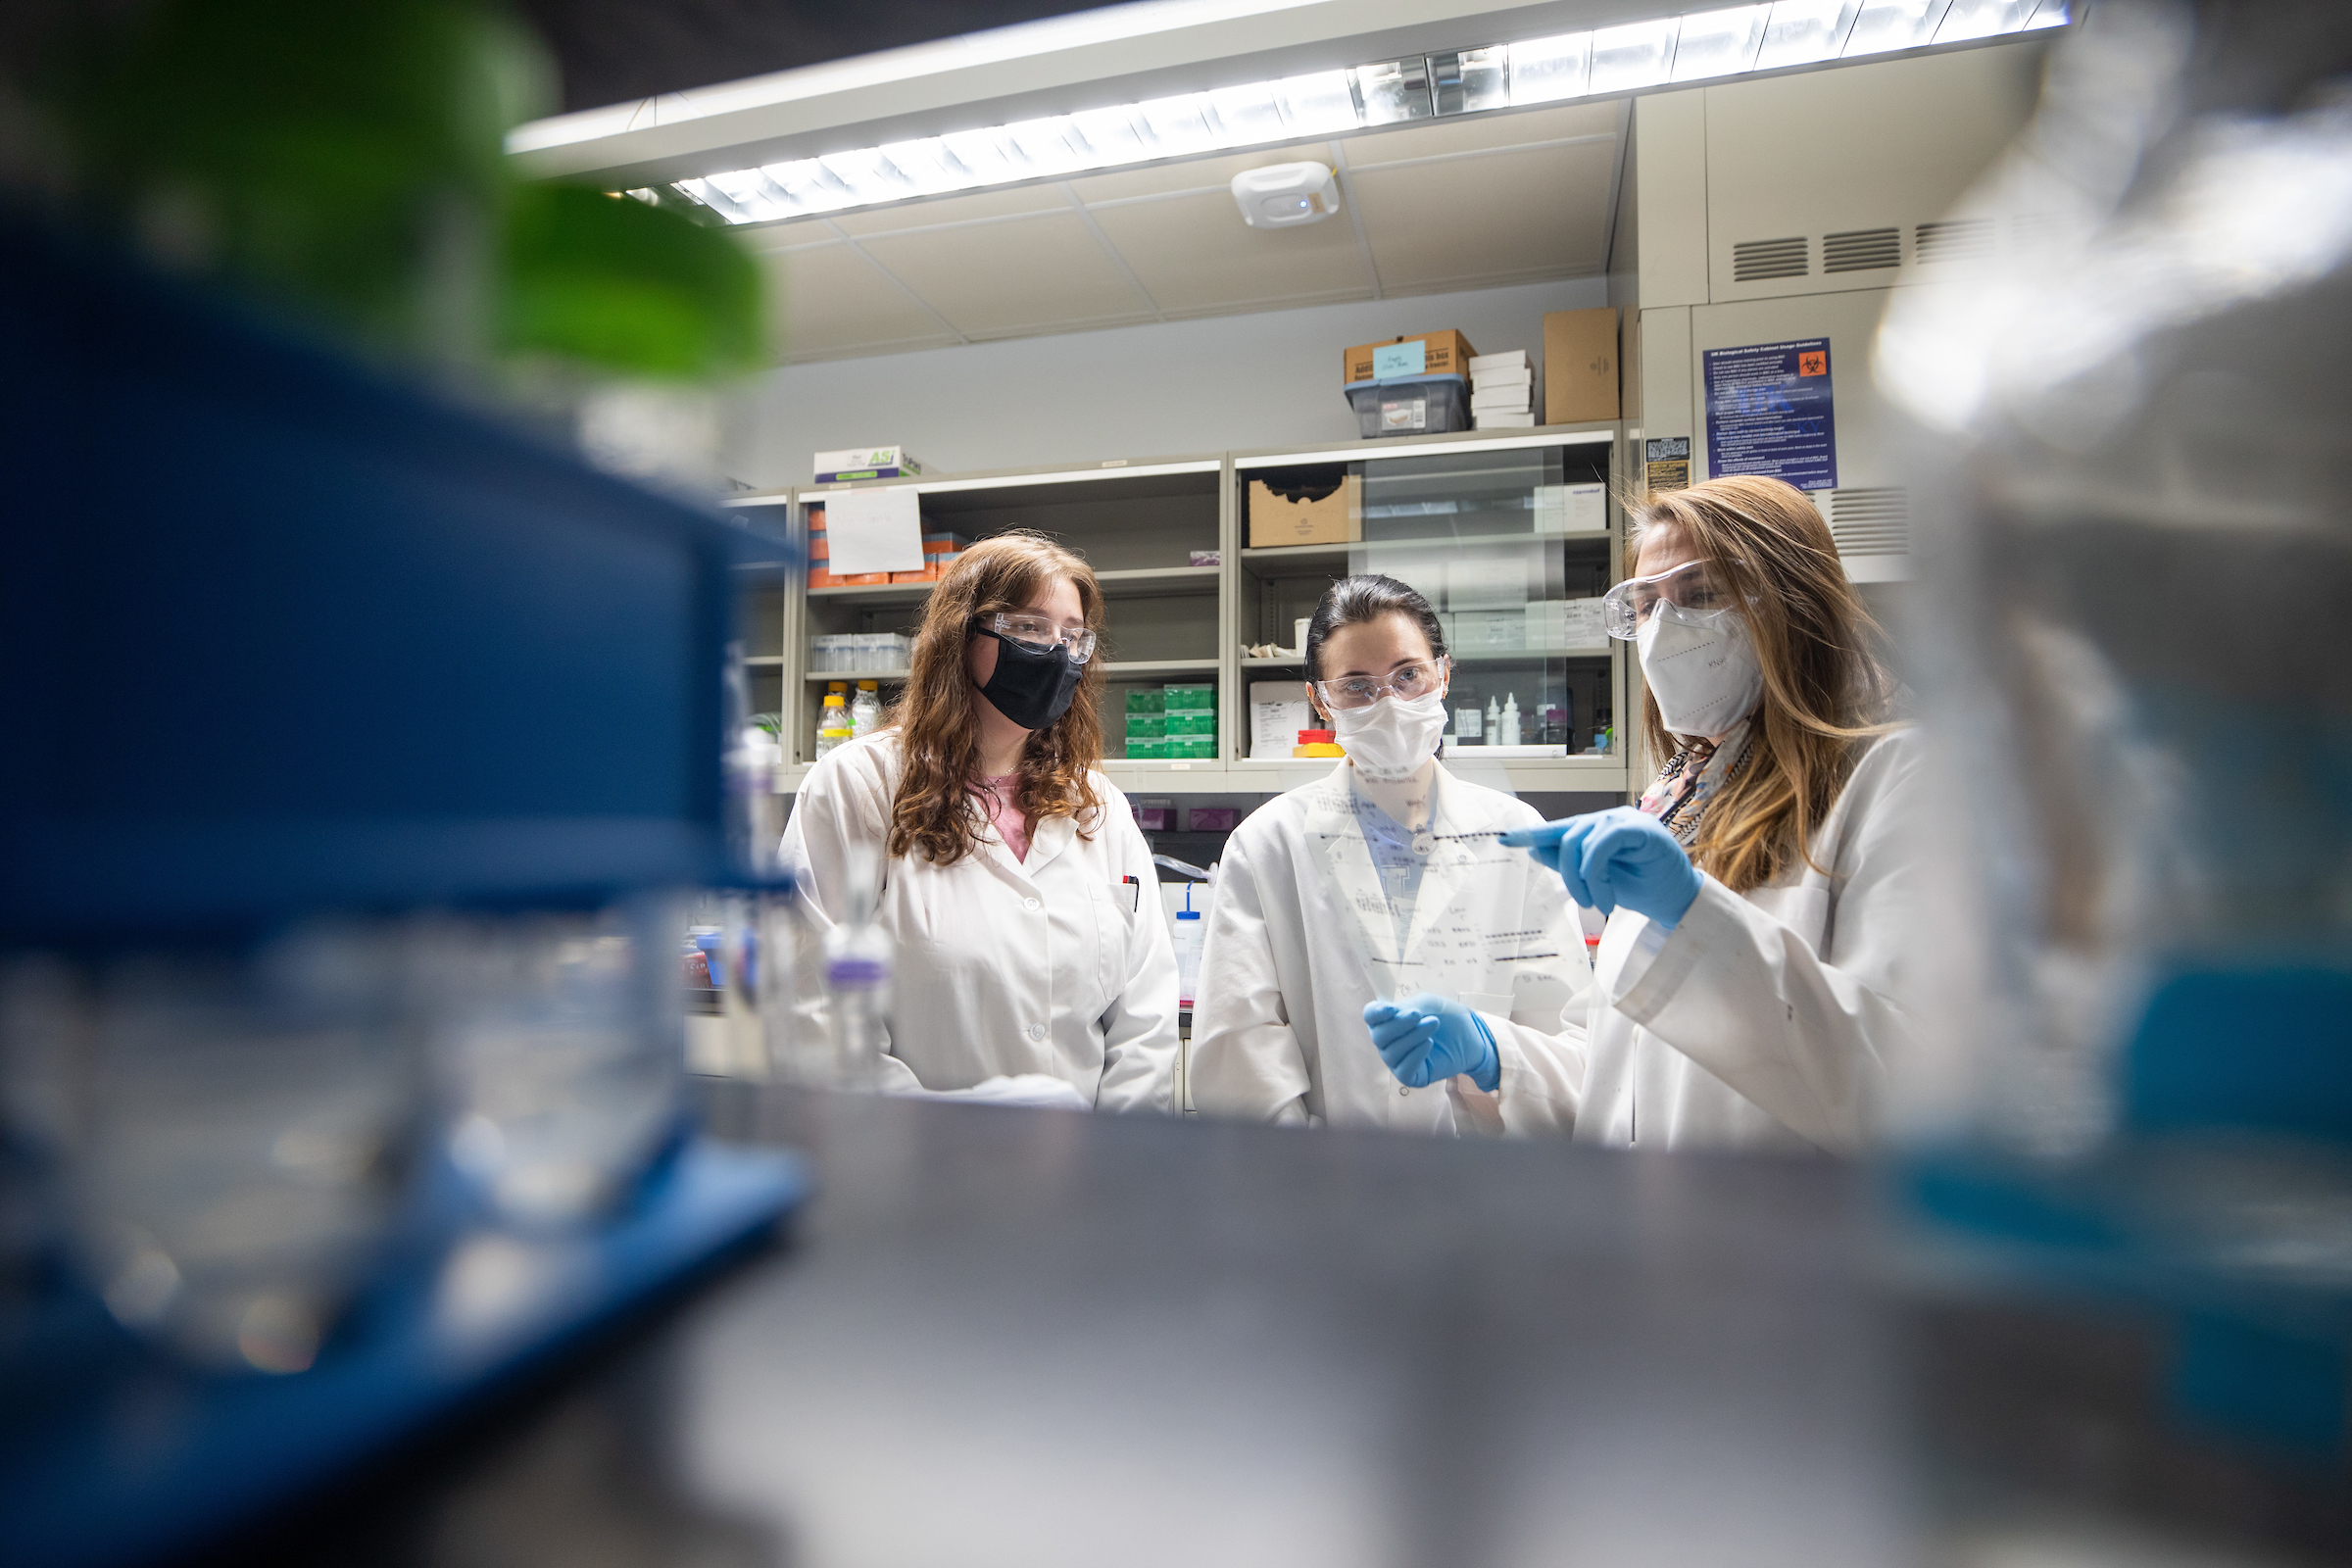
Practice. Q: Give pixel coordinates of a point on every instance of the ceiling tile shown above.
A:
(1541, 213)
(1031, 273)
(1195, 251)
(830, 299)
(768, 238)
(979, 205)
(1199, 173)
(1371, 149)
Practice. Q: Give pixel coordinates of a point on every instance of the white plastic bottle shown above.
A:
(1192, 934)
(865, 709)
(1494, 723)
(1510, 721)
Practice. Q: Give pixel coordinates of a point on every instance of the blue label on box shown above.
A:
(1399, 358)
(1770, 412)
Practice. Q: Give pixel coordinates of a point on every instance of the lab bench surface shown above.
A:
(1039, 1338)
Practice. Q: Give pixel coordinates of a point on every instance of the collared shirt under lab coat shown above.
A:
(1761, 1020)
(1050, 964)
(1278, 1024)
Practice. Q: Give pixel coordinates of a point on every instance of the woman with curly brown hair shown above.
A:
(1013, 878)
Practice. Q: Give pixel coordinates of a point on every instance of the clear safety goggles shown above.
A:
(1040, 635)
(1408, 684)
(1691, 593)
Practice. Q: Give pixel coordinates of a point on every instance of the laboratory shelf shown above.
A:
(1461, 656)
(1131, 581)
(885, 592)
(763, 661)
(1160, 579)
(1466, 497)
(1266, 557)
(1139, 669)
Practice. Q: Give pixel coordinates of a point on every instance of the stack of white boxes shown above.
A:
(1503, 391)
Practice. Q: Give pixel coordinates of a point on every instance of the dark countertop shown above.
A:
(1039, 1338)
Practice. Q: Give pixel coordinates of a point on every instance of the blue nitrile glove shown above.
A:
(1620, 855)
(1429, 1038)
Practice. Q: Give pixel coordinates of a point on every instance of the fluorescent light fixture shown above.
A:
(1804, 31)
(1637, 55)
(1886, 25)
(1718, 44)
(1703, 45)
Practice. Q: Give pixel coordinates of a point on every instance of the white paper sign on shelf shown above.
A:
(873, 530)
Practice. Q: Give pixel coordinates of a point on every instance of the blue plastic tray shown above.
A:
(158, 1459)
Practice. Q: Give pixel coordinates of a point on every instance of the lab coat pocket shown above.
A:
(1114, 929)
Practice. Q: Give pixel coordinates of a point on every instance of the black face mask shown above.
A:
(1033, 689)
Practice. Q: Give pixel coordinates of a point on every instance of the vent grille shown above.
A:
(1956, 239)
(2032, 230)
(1870, 522)
(1862, 250)
(1753, 260)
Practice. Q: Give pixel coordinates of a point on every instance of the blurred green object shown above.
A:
(347, 163)
(616, 281)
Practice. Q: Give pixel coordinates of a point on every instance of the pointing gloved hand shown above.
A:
(1620, 855)
(1429, 1038)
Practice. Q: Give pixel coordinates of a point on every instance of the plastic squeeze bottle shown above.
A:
(1510, 720)
(865, 709)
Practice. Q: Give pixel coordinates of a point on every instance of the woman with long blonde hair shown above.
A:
(1012, 876)
(1761, 896)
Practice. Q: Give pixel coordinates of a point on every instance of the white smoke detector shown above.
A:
(1286, 195)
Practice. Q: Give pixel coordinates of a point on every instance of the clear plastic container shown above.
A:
(833, 725)
(1416, 406)
(865, 709)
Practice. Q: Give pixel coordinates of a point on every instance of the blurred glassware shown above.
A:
(859, 957)
(2131, 482)
(236, 1130)
(794, 1019)
(558, 1041)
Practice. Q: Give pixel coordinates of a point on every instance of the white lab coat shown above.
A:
(1278, 1021)
(1050, 966)
(1761, 1020)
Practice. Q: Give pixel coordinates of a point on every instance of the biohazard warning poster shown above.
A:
(1769, 412)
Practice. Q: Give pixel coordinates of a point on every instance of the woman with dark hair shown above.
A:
(1375, 906)
(1763, 895)
(1012, 874)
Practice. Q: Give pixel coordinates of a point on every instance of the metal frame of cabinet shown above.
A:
(781, 643)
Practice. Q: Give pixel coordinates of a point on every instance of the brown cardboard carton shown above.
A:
(1580, 365)
(1442, 354)
(1337, 519)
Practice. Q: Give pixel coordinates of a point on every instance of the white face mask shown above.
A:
(1389, 741)
(1705, 678)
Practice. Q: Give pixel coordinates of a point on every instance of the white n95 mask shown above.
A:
(1389, 740)
(1705, 677)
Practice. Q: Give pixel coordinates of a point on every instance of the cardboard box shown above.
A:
(866, 462)
(1580, 365)
(1337, 519)
(1484, 365)
(1440, 353)
(1503, 420)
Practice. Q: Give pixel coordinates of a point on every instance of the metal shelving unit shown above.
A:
(1136, 520)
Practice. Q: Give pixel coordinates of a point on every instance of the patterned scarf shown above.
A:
(1693, 777)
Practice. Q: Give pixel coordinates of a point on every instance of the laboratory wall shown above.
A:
(1235, 382)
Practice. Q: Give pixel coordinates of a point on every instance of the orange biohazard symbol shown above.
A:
(1817, 362)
